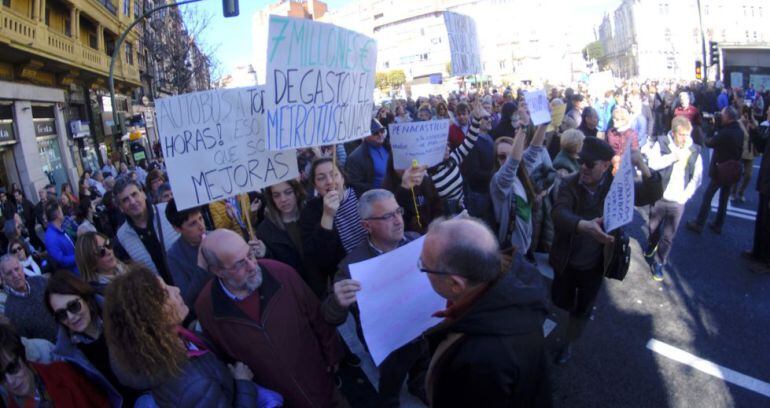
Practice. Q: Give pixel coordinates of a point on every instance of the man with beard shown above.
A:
(263, 313)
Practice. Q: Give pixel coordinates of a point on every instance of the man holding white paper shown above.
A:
(383, 220)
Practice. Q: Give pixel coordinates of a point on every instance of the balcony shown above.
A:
(36, 38)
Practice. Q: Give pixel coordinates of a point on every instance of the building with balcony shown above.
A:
(662, 39)
(55, 115)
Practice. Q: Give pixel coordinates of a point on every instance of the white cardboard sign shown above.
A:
(214, 146)
(422, 141)
(396, 299)
(319, 84)
(463, 44)
(539, 108)
(619, 203)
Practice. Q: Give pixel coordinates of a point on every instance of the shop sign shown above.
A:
(45, 127)
(6, 131)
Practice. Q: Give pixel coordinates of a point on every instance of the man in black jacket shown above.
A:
(367, 166)
(759, 255)
(727, 143)
(489, 351)
(580, 242)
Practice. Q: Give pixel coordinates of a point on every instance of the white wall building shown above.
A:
(662, 38)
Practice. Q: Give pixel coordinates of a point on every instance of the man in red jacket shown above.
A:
(263, 313)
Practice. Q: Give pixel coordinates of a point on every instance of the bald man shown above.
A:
(489, 351)
(262, 313)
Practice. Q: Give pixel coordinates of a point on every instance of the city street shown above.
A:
(709, 306)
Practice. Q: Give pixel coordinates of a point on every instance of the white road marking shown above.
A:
(737, 214)
(723, 373)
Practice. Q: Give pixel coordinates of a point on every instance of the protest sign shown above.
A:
(599, 83)
(463, 44)
(396, 300)
(619, 203)
(214, 146)
(319, 84)
(421, 141)
(539, 109)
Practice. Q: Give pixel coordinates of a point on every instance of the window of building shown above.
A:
(378, 16)
(93, 42)
(747, 35)
(126, 7)
(752, 11)
(759, 11)
(724, 35)
(667, 34)
(138, 8)
(7, 3)
(129, 54)
(68, 26)
(745, 12)
(422, 31)
(48, 16)
(755, 36)
(707, 9)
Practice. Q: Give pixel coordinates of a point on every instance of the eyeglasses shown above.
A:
(16, 250)
(425, 270)
(12, 368)
(242, 263)
(101, 251)
(73, 307)
(589, 164)
(389, 216)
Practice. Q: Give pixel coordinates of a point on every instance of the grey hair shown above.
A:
(467, 255)
(212, 260)
(370, 197)
(5, 258)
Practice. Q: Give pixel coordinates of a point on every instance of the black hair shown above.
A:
(176, 217)
(51, 209)
(122, 183)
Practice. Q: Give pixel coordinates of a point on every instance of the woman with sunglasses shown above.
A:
(77, 308)
(28, 384)
(511, 189)
(96, 261)
(143, 323)
(19, 248)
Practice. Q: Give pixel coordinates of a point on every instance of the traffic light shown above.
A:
(714, 52)
(698, 70)
(230, 8)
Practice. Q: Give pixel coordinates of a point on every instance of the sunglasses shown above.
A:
(12, 368)
(73, 307)
(101, 251)
(16, 250)
(589, 164)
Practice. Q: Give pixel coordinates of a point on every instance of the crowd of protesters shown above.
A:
(113, 296)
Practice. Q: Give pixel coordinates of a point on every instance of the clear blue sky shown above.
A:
(233, 35)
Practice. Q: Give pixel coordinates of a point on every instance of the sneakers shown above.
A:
(694, 227)
(649, 254)
(657, 272)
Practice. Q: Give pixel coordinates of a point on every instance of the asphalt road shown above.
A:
(708, 305)
(709, 309)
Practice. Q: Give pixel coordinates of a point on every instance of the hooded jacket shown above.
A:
(494, 354)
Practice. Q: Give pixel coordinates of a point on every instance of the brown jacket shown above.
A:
(292, 348)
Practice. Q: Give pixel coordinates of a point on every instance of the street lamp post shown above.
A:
(116, 52)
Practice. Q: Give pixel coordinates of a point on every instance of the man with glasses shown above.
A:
(263, 313)
(383, 220)
(28, 384)
(577, 255)
(367, 165)
(24, 301)
(490, 349)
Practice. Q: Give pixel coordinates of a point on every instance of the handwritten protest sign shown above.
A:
(421, 141)
(557, 116)
(539, 109)
(319, 84)
(619, 203)
(463, 44)
(396, 300)
(214, 145)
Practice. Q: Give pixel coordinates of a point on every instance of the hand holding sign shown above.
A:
(345, 292)
(413, 176)
(593, 228)
(539, 108)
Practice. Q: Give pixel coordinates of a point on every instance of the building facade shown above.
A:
(54, 64)
(662, 39)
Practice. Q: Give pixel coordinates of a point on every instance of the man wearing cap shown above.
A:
(368, 164)
(578, 249)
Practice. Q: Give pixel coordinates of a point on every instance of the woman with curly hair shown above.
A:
(96, 261)
(143, 318)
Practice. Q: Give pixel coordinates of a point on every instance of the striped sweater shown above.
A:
(446, 175)
(348, 222)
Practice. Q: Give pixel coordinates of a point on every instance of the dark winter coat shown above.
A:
(727, 143)
(494, 354)
(321, 247)
(360, 169)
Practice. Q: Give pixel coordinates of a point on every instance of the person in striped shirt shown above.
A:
(446, 175)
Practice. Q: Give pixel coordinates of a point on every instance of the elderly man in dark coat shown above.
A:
(263, 313)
